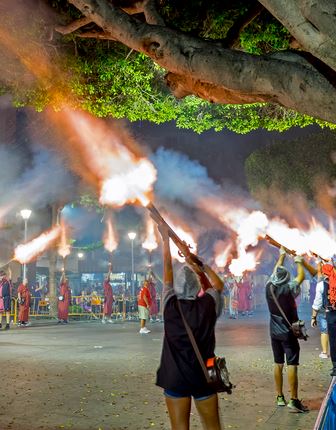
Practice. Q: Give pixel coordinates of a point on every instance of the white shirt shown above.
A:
(318, 301)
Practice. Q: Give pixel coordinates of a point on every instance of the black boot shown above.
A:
(333, 371)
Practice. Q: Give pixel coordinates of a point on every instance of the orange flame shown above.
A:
(246, 261)
(27, 252)
(64, 247)
(106, 157)
(185, 236)
(321, 241)
(221, 259)
(110, 238)
(150, 242)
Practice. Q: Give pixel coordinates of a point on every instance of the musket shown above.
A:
(278, 245)
(181, 244)
(290, 251)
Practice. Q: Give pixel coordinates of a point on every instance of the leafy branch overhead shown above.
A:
(205, 64)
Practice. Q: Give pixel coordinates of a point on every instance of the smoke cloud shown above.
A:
(39, 180)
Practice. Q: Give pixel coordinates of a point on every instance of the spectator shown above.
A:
(233, 300)
(319, 317)
(95, 302)
(144, 303)
(180, 374)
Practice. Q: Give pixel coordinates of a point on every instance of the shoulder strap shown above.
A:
(278, 305)
(194, 344)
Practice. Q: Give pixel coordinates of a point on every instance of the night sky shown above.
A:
(222, 153)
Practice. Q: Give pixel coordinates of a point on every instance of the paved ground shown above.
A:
(89, 376)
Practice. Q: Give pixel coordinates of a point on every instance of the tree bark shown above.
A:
(217, 74)
(311, 22)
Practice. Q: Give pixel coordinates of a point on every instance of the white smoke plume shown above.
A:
(33, 181)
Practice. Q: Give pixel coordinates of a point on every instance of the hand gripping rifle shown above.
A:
(184, 248)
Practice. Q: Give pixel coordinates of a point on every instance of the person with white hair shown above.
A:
(281, 288)
(180, 373)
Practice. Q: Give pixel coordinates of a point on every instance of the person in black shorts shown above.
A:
(284, 343)
(180, 374)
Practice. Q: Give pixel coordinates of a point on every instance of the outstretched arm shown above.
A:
(168, 279)
(215, 280)
(109, 271)
(281, 259)
(300, 270)
(62, 276)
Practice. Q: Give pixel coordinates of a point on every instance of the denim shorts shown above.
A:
(174, 395)
(322, 322)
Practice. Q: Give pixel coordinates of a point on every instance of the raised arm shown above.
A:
(168, 279)
(215, 280)
(300, 270)
(109, 272)
(62, 276)
(281, 259)
(310, 268)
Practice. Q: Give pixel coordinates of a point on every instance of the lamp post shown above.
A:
(25, 213)
(132, 236)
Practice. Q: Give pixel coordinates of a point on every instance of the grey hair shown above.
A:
(280, 276)
(187, 284)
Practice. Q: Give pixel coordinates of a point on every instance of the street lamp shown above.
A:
(80, 255)
(132, 236)
(25, 213)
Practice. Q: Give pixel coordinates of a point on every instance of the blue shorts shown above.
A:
(322, 322)
(173, 395)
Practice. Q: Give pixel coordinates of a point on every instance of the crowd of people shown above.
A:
(191, 302)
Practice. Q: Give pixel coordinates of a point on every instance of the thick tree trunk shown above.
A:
(311, 22)
(220, 75)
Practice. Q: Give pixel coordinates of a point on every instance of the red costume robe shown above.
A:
(244, 291)
(24, 308)
(63, 305)
(108, 298)
(153, 310)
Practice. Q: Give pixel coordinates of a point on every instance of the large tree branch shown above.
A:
(233, 34)
(311, 22)
(73, 26)
(261, 78)
(147, 7)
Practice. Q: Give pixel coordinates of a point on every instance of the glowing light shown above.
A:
(110, 238)
(131, 235)
(246, 261)
(221, 259)
(185, 236)
(320, 241)
(108, 158)
(25, 213)
(80, 255)
(150, 241)
(27, 252)
(129, 187)
(64, 248)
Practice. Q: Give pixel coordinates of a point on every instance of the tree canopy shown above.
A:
(238, 64)
(308, 170)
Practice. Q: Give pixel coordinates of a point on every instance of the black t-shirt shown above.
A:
(285, 294)
(179, 369)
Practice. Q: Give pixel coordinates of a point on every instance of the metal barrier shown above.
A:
(89, 307)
